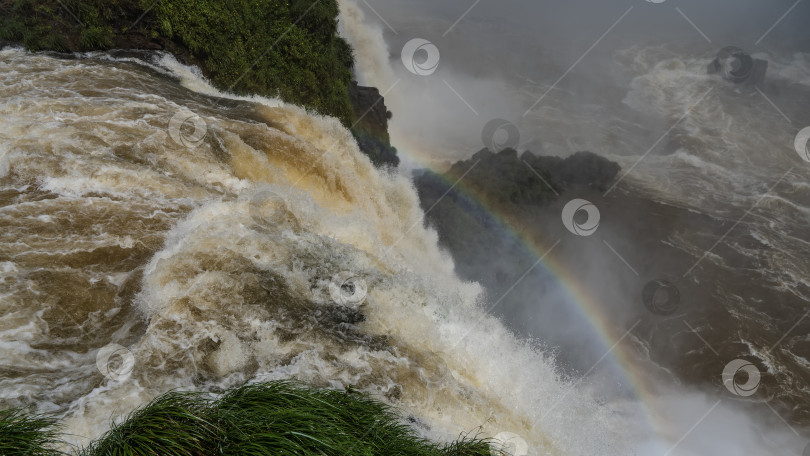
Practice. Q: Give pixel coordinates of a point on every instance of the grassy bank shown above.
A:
(23, 434)
(285, 48)
(275, 418)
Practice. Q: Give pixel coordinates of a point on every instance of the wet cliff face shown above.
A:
(370, 110)
(460, 203)
(371, 125)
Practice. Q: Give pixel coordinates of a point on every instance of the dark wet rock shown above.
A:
(582, 169)
(505, 178)
(369, 109)
(477, 200)
(371, 127)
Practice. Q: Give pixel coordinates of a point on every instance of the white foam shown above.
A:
(456, 367)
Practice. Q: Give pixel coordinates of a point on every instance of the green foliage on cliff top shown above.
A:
(286, 48)
(275, 418)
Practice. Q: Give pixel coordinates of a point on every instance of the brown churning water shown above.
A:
(157, 234)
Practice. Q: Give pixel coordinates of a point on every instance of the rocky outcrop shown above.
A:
(472, 203)
(369, 110)
(582, 169)
(371, 125)
(508, 179)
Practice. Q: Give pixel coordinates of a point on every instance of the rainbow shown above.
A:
(587, 306)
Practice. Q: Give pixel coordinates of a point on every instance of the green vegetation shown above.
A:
(275, 418)
(279, 48)
(285, 48)
(22, 434)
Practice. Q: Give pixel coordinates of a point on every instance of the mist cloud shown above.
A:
(500, 57)
(503, 56)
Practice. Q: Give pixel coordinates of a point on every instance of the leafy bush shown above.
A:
(43, 38)
(11, 29)
(285, 48)
(272, 47)
(95, 38)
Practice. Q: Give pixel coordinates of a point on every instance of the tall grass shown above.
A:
(274, 418)
(26, 434)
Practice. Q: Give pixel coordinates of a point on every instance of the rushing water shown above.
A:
(732, 233)
(204, 235)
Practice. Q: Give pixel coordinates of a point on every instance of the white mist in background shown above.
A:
(616, 97)
(432, 113)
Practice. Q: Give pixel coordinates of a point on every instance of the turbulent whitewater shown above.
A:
(204, 234)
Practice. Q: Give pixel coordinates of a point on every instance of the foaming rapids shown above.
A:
(202, 233)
